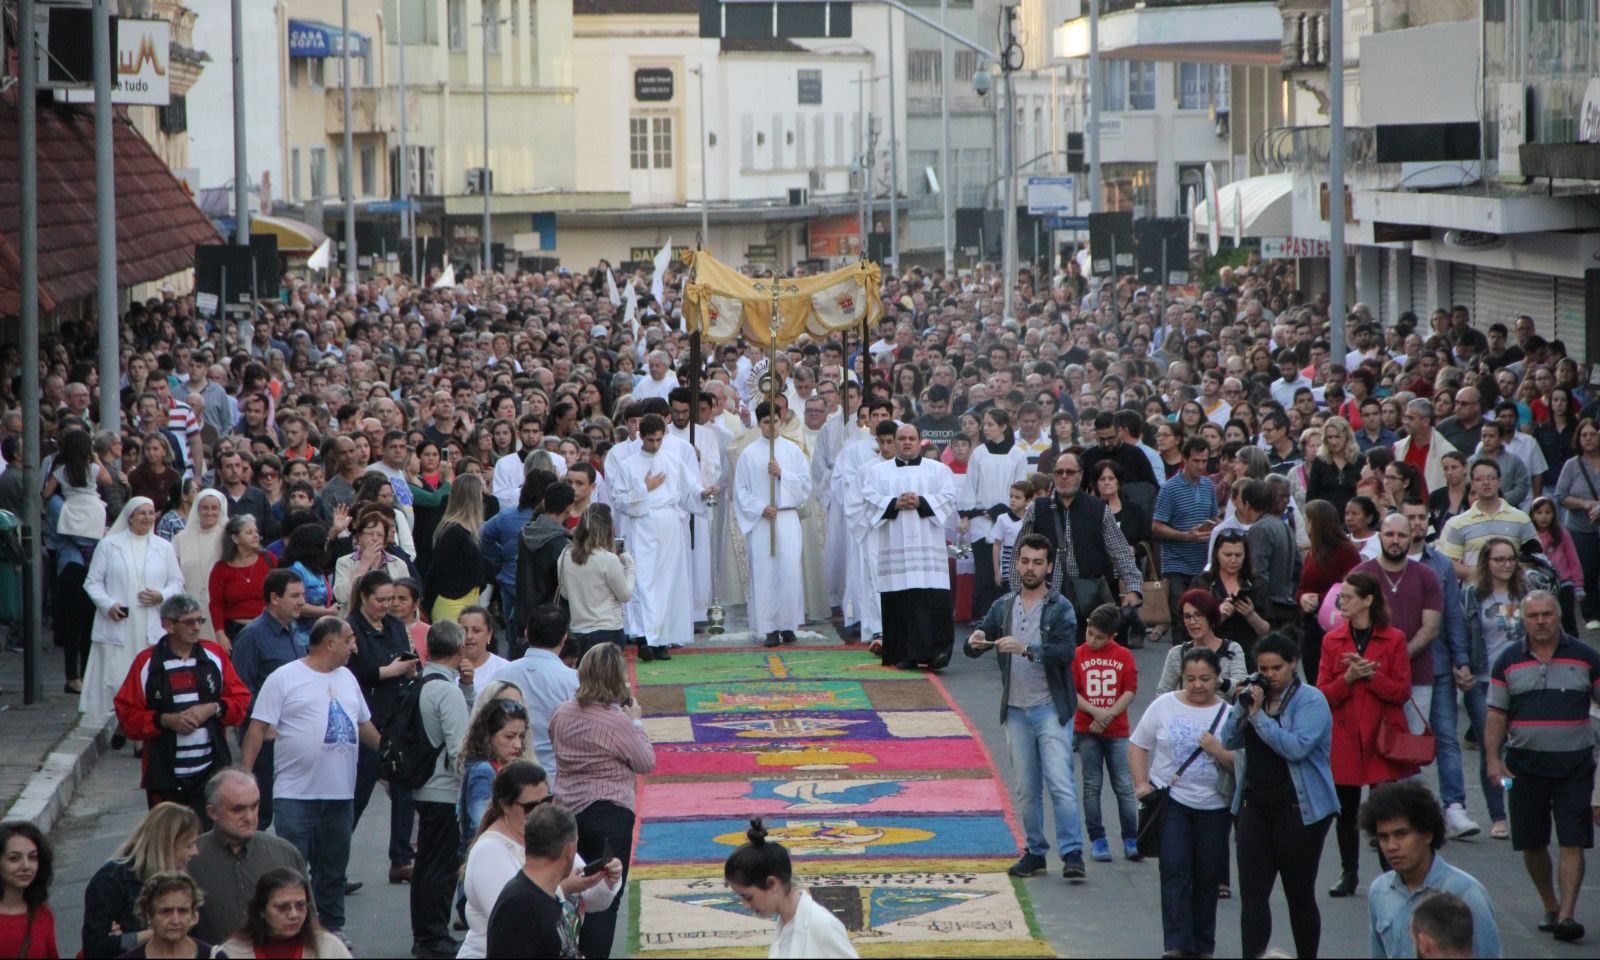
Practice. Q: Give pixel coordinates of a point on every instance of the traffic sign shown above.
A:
(1052, 196)
(1066, 223)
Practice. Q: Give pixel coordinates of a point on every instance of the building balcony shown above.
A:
(372, 110)
(1240, 31)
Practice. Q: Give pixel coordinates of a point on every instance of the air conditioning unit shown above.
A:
(819, 181)
(476, 178)
(798, 196)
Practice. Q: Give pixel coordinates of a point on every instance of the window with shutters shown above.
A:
(661, 142)
(810, 84)
(747, 142)
(369, 170)
(639, 143)
(457, 13)
(175, 115)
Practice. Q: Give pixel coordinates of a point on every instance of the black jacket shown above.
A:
(538, 552)
(111, 897)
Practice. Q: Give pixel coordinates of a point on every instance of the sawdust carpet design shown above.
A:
(887, 800)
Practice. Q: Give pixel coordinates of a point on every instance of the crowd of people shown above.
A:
(509, 486)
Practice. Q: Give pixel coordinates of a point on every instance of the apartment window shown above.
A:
(810, 92)
(1202, 85)
(1141, 85)
(1114, 85)
(369, 170)
(919, 161)
(315, 71)
(1129, 186)
(639, 143)
(661, 142)
(457, 12)
(1190, 175)
(175, 115)
(650, 143)
(366, 66)
(342, 174)
(491, 13)
(973, 171)
(747, 141)
(922, 70)
(294, 174)
(319, 173)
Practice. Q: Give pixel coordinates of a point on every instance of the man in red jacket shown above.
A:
(177, 698)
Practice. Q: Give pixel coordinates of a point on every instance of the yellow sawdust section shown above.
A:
(683, 871)
(974, 948)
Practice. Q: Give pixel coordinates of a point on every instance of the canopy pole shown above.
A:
(694, 377)
(772, 408)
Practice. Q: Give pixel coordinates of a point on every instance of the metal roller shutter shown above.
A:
(1420, 296)
(1504, 295)
(1461, 289)
(1570, 323)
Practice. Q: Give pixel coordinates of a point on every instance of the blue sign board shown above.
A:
(1065, 223)
(309, 39)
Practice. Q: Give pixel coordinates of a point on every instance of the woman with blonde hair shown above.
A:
(601, 750)
(1336, 469)
(456, 571)
(164, 842)
(596, 581)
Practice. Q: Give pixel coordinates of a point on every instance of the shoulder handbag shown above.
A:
(1153, 805)
(1156, 610)
(1396, 741)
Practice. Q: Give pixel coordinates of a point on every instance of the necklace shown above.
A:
(1394, 585)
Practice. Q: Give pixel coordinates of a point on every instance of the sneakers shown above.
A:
(1072, 867)
(1100, 850)
(1030, 865)
(1592, 625)
(1457, 825)
(1130, 851)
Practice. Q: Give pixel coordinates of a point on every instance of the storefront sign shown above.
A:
(761, 253)
(1294, 248)
(142, 62)
(837, 236)
(652, 84)
(313, 40)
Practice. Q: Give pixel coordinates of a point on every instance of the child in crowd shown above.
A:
(1106, 678)
(1006, 527)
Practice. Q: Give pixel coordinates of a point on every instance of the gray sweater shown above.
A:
(444, 720)
(596, 589)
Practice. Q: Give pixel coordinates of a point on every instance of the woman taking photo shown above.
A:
(133, 572)
(281, 921)
(1578, 490)
(1366, 676)
(1329, 558)
(199, 547)
(1284, 799)
(457, 573)
(497, 856)
(760, 874)
(371, 531)
(985, 496)
(1200, 614)
(236, 579)
(1230, 580)
(154, 475)
(163, 842)
(1455, 497)
(27, 927)
(430, 490)
(1334, 472)
(1175, 747)
(596, 582)
(1491, 607)
(601, 751)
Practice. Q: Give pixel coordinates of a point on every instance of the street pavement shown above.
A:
(1116, 913)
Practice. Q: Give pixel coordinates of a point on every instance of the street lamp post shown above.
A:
(483, 172)
(945, 197)
(350, 275)
(407, 223)
(894, 161)
(705, 196)
(1336, 332)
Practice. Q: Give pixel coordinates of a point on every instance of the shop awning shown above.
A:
(158, 224)
(314, 39)
(1263, 204)
(295, 237)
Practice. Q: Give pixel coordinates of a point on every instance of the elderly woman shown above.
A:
(132, 573)
(281, 920)
(199, 547)
(373, 530)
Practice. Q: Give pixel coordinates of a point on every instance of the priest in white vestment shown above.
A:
(861, 606)
(658, 490)
(777, 599)
(813, 519)
(839, 432)
(707, 447)
(911, 498)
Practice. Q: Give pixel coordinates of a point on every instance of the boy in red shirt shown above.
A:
(1105, 676)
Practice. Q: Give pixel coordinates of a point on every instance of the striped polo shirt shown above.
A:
(1546, 704)
(1182, 505)
(1467, 532)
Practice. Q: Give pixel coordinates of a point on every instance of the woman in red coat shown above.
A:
(1366, 676)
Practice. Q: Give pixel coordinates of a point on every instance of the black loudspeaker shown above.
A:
(1111, 233)
(264, 250)
(224, 271)
(1151, 233)
(1591, 314)
(969, 227)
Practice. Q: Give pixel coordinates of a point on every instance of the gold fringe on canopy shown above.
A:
(721, 303)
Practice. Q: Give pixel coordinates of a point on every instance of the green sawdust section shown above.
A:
(817, 665)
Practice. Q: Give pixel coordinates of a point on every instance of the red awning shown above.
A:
(158, 224)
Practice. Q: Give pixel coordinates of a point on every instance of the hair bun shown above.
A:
(757, 832)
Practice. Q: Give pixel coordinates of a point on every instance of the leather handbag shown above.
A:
(1396, 741)
(1153, 805)
(1156, 611)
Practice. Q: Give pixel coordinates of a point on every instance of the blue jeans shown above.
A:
(1099, 754)
(1477, 701)
(1442, 718)
(1194, 846)
(1041, 756)
(320, 830)
(402, 809)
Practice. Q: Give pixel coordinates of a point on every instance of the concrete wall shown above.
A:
(211, 98)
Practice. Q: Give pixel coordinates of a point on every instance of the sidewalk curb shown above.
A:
(51, 787)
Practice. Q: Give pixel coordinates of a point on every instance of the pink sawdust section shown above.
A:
(705, 799)
(792, 760)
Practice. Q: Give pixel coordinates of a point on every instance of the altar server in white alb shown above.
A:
(658, 490)
(707, 449)
(912, 498)
(861, 591)
(985, 493)
(777, 595)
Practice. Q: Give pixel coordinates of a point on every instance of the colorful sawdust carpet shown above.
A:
(888, 802)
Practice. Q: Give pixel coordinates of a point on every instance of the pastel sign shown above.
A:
(891, 836)
(762, 697)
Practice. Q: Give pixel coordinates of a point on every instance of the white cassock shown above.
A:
(615, 458)
(658, 537)
(510, 471)
(836, 434)
(777, 598)
(861, 603)
(709, 465)
(911, 549)
(814, 531)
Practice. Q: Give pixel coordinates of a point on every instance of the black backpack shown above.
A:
(405, 757)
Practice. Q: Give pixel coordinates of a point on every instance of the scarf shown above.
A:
(1003, 447)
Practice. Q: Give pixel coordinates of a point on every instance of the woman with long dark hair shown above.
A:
(281, 921)
(27, 927)
(1329, 558)
(1231, 580)
(306, 554)
(759, 872)
(429, 480)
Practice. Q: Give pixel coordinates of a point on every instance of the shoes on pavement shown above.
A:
(351, 886)
(400, 873)
(1130, 850)
(662, 654)
(876, 646)
(1100, 850)
(1072, 867)
(118, 740)
(787, 636)
(1568, 930)
(1030, 865)
(1500, 830)
(1549, 922)
(772, 639)
(1346, 887)
(1457, 825)
(905, 665)
(1592, 625)
(939, 663)
(646, 653)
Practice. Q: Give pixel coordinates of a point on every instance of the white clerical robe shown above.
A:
(777, 599)
(709, 466)
(836, 434)
(658, 538)
(649, 388)
(861, 587)
(911, 548)
(814, 531)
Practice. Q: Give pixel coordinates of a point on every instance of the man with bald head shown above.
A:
(1464, 428)
(909, 500)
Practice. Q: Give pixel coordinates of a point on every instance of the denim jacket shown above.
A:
(1058, 637)
(1390, 902)
(1302, 734)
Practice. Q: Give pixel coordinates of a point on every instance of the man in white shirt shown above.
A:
(660, 382)
(1290, 380)
(543, 680)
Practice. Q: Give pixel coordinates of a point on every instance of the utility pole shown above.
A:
(1008, 250)
(407, 222)
(1094, 107)
(945, 183)
(483, 173)
(1336, 332)
(705, 196)
(28, 281)
(350, 275)
(861, 157)
(241, 165)
(105, 217)
(894, 161)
